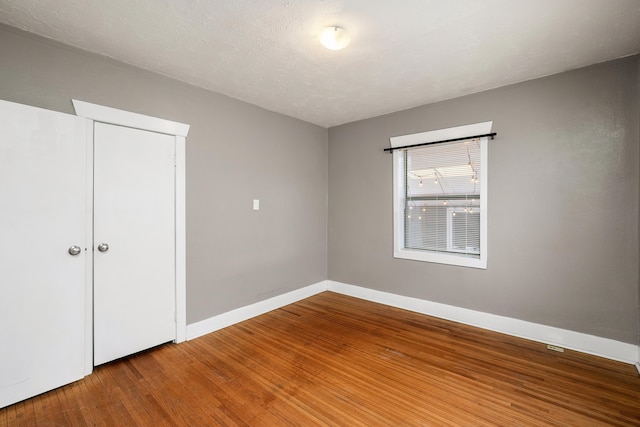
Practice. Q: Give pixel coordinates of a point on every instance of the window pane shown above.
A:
(465, 236)
(442, 203)
(427, 228)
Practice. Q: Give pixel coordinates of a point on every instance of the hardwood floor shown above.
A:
(336, 360)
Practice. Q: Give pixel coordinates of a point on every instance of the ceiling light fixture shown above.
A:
(335, 38)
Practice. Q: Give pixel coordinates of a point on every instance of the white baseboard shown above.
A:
(241, 314)
(590, 344)
(598, 346)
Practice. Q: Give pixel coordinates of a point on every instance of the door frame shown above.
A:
(113, 116)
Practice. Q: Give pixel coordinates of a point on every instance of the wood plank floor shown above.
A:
(339, 361)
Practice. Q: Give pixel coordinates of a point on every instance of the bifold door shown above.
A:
(45, 245)
(134, 241)
(42, 250)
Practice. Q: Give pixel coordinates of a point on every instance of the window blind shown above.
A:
(442, 198)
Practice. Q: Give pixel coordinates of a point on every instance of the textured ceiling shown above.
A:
(403, 53)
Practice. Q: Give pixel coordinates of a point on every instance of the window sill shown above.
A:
(441, 258)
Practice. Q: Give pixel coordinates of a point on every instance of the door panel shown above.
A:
(134, 213)
(42, 214)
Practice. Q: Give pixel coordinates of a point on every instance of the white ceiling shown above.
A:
(403, 53)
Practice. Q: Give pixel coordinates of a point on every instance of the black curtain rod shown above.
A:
(492, 135)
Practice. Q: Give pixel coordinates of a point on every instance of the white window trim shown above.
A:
(399, 251)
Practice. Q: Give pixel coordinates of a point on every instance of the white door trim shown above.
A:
(100, 113)
(115, 116)
(181, 240)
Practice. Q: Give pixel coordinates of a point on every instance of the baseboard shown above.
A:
(241, 314)
(598, 346)
(585, 343)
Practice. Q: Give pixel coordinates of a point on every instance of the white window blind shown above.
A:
(442, 204)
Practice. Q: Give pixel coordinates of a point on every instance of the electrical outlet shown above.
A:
(555, 348)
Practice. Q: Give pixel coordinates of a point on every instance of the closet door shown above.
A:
(42, 250)
(134, 241)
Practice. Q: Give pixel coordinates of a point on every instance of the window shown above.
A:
(440, 197)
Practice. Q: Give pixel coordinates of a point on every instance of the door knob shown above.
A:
(74, 250)
(103, 247)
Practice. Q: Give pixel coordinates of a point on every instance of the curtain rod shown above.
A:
(492, 135)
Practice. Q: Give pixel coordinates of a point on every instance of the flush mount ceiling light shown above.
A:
(335, 38)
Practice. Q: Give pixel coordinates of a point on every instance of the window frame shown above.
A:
(399, 249)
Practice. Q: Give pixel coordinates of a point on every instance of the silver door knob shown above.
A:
(103, 247)
(74, 250)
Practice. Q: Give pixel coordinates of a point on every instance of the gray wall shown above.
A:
(563, 195)
(563, 203)
(235, 152)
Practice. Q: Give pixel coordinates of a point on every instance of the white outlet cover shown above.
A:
(256, 204)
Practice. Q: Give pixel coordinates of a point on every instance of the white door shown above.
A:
(134, 220)
(42, 215)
